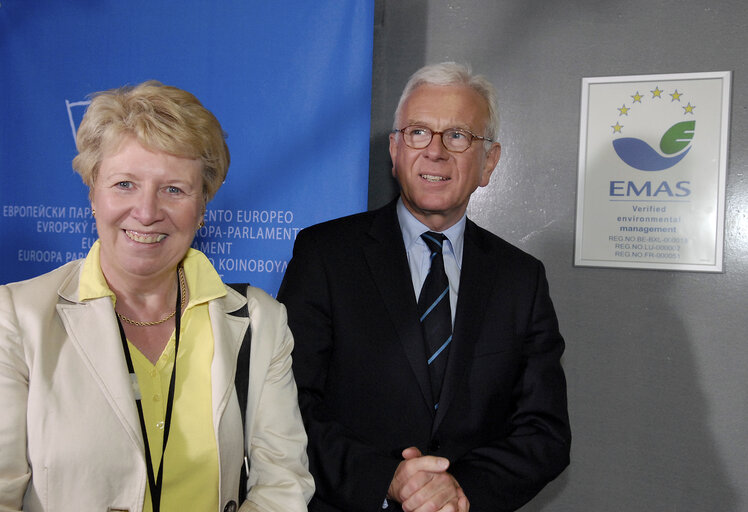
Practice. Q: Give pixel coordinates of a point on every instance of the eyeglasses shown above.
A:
(455, 140)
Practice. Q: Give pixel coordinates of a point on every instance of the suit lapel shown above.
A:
(477, 280)
(385, 255)
(92, 328)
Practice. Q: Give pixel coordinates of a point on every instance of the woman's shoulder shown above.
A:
(51, 282)
(29, 304)
(256, 298)
(259, 300)
(260, 295)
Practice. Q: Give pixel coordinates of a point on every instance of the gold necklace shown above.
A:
(182, 289)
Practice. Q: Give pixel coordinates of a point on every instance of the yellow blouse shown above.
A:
(190, 479)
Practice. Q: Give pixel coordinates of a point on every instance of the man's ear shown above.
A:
(393, 151)
(492, 159)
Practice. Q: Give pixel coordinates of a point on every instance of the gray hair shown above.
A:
(452, 73)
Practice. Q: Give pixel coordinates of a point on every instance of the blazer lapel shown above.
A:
(477, 280)
(228, 332)
(388, 262)
(92, 328)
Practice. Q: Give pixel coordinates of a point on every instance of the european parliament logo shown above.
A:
(670, 113)
(76, 109)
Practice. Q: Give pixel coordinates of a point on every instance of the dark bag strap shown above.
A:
(241, 382)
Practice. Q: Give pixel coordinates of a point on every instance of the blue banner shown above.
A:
(289, 81)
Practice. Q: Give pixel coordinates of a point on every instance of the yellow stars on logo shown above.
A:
(642, 105)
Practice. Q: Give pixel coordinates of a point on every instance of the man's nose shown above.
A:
(436, 148)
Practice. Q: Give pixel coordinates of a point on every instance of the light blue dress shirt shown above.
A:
(419, 255)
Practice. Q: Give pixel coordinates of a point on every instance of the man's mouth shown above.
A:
(433, 179)
(144, 238)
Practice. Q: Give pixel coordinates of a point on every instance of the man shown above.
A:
(474, 421)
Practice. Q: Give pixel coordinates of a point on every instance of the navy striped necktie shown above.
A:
(435, 314)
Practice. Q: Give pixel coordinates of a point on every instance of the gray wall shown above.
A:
(657, 361)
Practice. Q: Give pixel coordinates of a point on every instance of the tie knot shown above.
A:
(433, 240)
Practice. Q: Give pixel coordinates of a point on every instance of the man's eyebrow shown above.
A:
(460, 126)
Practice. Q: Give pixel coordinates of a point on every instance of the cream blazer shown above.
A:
(70, 437)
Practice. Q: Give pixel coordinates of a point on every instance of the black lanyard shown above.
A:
(155, 484)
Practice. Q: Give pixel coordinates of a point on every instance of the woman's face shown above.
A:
(148, 206)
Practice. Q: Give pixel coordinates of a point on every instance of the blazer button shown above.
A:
(230, 506)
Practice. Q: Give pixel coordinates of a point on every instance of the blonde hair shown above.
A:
(452, 73)
(161, 118)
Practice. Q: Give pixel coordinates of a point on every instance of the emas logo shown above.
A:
(642, 116)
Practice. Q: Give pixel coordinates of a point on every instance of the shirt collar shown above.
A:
(202, 279)
(412, 230)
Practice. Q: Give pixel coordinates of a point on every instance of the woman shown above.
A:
(117, 371)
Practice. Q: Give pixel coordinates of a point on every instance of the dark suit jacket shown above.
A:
(360, 365)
